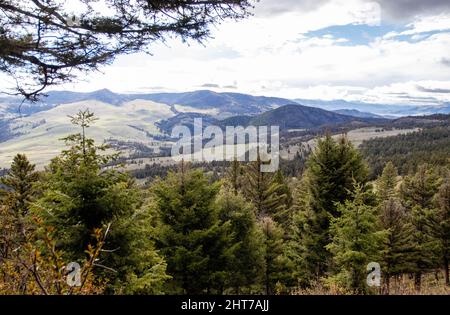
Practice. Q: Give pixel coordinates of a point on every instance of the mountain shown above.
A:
(302, 117)
(292, 116)
(388, 111)
(224, 104)
(356, 113)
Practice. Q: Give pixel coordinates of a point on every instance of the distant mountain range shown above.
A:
(224, 104)
(389, 111)
(221, 104)
(292, 116)
(357, 113)
(34, 128)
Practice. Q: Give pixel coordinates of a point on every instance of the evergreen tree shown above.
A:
(234, 176)
(355, 241)
(397, 245)
(18, 192)
(81, 195)
(287, 200)
(394, 220)
(387, 182)
(276, 263)
(191, 236)
(329, 180)
(18, 184)
(417, 193)
(439, 224)
(307, 240)
(246, 264)
(265, 193)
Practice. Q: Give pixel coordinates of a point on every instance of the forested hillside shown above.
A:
(408, 151)
(79, 227)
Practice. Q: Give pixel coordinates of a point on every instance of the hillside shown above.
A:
(226, 104)
(431, 145)
(38, 135)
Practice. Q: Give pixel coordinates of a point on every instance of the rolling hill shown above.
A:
(287, 117)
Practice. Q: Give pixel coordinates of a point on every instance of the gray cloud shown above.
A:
(396, 10)
(274, 7)
(210, 85)
(427, 90)
(445, 62)
(406, 9)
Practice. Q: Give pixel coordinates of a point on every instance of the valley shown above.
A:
(139, 125)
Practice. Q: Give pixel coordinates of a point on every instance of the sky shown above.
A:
(390, 52)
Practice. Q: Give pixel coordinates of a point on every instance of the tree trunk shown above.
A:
(417, 280)
(388, 284)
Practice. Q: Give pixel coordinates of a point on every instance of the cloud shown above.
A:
(431, 90)
(402, 10)
(393, 10)
(275, 7)
(233, 87)
(445, 61)
(210, 85)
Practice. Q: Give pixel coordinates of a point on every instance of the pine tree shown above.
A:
(417, 193)
(81, 195)
(246, 264)
(387, 182)
(265, 193)
(19, 184)
(395, 221)
(439, 223)
(329, 179)
(234, 176)
(307, 239)
(397, 244)
(190, 235)
(283, 190)
(355, 241)
(18, 192)
(276, 263)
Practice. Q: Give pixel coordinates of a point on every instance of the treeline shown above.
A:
(408, 151)
(246, 232)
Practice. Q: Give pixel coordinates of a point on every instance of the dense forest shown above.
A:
(408, 151)
(79, 227)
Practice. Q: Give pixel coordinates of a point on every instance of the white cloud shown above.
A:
(271, 55)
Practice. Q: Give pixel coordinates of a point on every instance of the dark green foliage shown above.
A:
(397, 251)
(235, 176)
(191, 236)
(80, 195)
(246, 264)
(18, 182)
(417, 193)
(439, 223)
(355, 242)
(408, 151)
(276, 264)
(15, 199)
(332, 170)
(397, 248)
(387, 182)
(264, 191)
